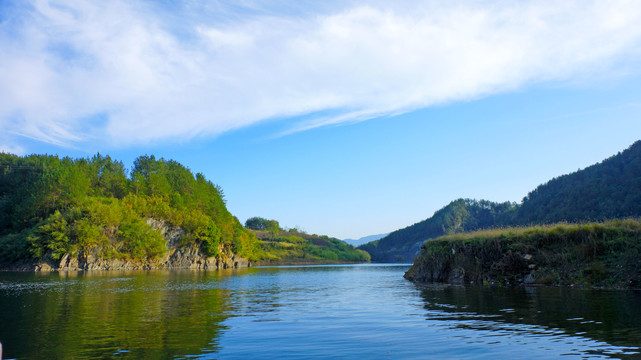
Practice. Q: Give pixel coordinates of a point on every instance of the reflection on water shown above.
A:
(361, 311)
(607, 321)
(606, 315)
(111, 314)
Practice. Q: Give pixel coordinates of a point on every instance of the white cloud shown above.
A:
(126, 72)
(11, 148)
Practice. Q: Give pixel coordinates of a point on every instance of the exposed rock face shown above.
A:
(457, 276)
(176, 257)
(459, 263)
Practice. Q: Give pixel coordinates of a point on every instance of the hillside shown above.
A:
(292, 246)
(56, 212)
(76, 214)
(299, 248)
(458, 216)
(607, 190)
(593, 254)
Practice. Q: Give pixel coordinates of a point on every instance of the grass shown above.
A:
(300, 248)
(604, 254)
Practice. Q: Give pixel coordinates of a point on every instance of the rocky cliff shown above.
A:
(594, 254)
(177, 256)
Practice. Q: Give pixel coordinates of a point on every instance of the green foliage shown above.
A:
(88, 234)
(52, 207)
(139, 240)
(608, 190)
(210, 239)
(262, 224)
(458, 216)
(14, 247)
(301, 248)
(52, 235)
(600, 254)
(273, 227)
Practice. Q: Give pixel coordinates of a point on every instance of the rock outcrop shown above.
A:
(177, 256)
(602, 255)
(460, 264)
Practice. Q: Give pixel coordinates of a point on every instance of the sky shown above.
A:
(346, 118)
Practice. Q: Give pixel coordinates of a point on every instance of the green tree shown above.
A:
(256, 223)
(273, 227)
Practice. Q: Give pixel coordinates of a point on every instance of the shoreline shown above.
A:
(598, 255)
(138, 266)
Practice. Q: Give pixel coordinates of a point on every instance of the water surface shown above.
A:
(312, 312)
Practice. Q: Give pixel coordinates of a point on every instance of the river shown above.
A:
(306, 312)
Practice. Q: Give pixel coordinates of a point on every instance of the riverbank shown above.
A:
(182, 258)
(177, 254)
(595, 255)
(308, 262)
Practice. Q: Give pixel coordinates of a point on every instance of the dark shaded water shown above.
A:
(351, 311)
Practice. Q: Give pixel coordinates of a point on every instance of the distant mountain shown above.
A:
(364, 239)
(607, 190)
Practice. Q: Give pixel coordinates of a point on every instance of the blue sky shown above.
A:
(345, 118)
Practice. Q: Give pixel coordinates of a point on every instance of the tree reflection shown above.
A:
(610, 316)
(113, 314)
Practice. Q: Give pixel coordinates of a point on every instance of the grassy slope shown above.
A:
(606, 190)
(594, 254)
(301, 248)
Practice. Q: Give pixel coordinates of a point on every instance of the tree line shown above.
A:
(610, 189)
(50, 206)
(295, 246)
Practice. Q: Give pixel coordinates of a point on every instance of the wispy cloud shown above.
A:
(125, 72)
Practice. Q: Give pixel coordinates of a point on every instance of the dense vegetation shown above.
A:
(262, 224)
(50, 207)
(293, 246)
(600, 254)
(458, 216)
(608, 190)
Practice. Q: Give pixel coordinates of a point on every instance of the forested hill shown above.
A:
(294, 246)
(607, 190)
(52, 208)
(458, 216)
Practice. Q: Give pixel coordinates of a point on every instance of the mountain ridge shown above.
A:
(606, 190)
(365, 239)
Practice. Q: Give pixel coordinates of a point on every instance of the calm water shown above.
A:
(360, 311)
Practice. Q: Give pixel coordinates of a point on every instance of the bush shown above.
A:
(209, 238)
(52, 235)
(139, 240)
